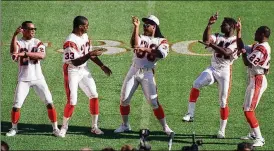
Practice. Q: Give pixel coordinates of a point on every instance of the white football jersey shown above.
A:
(30, 69)
(218, 60)
(143, 59)
(259, 58)
(76, 47)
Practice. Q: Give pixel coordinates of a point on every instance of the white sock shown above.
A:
(191, 108)
(65, 122)
(223, 125)
(94, 121)
(163, 122)
(125, 119)
(54, 125)
(251, 131)
(14, 125)
(257, 132)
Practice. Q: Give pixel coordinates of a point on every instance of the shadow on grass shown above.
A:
(46, 130)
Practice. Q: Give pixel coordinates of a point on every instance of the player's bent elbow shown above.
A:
(42, 57)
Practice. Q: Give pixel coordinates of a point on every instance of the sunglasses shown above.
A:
(146, 25)
(30, 28)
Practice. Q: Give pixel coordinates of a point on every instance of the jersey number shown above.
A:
(69, 55)
(255, 61)
(142, 54)
(25, 61)
(219, 55)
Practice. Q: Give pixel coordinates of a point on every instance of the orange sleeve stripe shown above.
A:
(39, 44)
(263, 51)
(70, 44)
(164, 42)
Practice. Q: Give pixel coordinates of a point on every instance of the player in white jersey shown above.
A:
(28, 51)
(257, 59)
(224, 50)
(148, 49)
(77, 50)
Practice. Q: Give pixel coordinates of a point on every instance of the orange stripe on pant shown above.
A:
(66, 82)
(68, 108)
(258, 86)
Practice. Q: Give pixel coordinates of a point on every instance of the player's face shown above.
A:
(29, 31)
(258, 35)
(84, 27)
(148, 29)
(225, 27)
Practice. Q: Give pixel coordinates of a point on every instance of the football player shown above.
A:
(224, 50)
(257, 62)
(148, 49)
(28, 51)
(77, 50)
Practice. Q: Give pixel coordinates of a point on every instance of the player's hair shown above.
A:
(24, 24)
(157, 31)
(265, 30)
(5, 145)
(245, 146)
(108, 149)
(230, 21)
(79, 20)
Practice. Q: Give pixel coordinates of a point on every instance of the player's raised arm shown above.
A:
(135, 34)
(207, 32)
(14, 45)
(240, 43)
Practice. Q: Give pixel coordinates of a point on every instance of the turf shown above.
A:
(111, 20)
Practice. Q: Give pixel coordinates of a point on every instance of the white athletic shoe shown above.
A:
(220, 134)
(249, 136)
(63, 132)
(56, 132)
(97, 131)
(259, 142)
(12, 132)
(167, 130)
(188, 118)
(123, 128)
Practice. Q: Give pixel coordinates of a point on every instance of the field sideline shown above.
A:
(111, 20)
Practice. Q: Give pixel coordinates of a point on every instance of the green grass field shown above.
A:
(111, 20)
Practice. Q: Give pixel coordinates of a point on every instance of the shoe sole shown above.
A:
(10, 135)
(123, 131)
(97, 133)
(187, 120)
